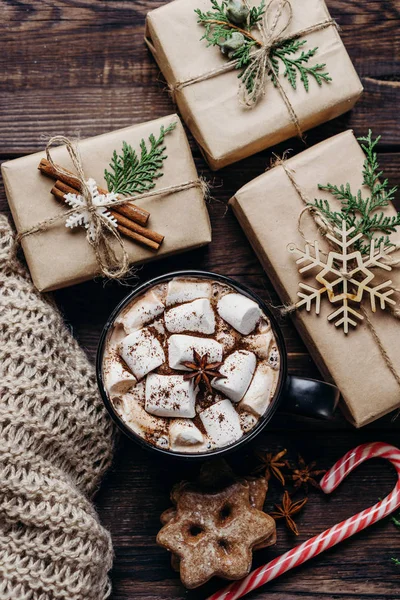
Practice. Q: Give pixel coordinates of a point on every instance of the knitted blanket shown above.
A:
(56, 443)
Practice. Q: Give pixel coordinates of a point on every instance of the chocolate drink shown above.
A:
(191, 365)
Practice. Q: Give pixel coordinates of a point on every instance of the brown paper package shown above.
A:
(268, 209)
(60, 257)
(226, 131)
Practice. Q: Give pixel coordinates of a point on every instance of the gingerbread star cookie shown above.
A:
(212, 531)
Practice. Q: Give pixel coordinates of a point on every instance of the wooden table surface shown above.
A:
(71, 66)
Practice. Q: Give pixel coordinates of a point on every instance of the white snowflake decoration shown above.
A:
(347, 283)
(82, 217)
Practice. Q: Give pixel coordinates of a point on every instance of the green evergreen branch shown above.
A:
(396, 522)
(297, 65)
(235, 39)
(132, 174)
(396, 561)
(256, 14)
(243, 56)
(360, 213)
(219, 28)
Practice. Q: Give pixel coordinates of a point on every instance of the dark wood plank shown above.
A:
(73, 66)
(87, 111)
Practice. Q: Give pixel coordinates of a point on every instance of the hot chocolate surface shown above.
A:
(191, 365)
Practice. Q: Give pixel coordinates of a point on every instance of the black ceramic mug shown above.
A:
(307, 397)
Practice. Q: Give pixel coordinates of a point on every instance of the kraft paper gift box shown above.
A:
(60, 257)
(225, 130)
(268, 210)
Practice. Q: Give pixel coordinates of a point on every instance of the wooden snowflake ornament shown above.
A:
(345, 277)
(82, 217)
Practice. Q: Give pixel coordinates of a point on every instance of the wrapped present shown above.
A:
(338, 284)
(294, 71)
(151, 163)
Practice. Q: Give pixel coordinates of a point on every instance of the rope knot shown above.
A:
(102, 235)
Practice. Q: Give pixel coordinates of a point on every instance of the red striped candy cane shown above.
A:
(332, 536)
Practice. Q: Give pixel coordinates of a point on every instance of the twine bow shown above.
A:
(113, 262)
(105, 239)
(277, 18)
(260, 65)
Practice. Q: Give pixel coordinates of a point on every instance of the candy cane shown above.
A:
(332, 536)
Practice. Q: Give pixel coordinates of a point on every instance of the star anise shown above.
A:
(202, 370)
(287, 510)
(272, 464)
(304, 475)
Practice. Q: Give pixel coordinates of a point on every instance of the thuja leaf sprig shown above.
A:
(229, 26)
(363, 213)
(298, 65)
(396, 522)
(131, 173)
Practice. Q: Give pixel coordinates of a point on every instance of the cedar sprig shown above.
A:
(219, 29)
(132, 174)
(298, 65)
(396, 522)
(396, 561)
(363, 213)
(217, 25)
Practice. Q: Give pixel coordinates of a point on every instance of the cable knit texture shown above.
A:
(56, 442)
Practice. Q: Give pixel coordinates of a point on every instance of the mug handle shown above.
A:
(310, 398)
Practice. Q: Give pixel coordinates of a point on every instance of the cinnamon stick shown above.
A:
(136, 237)
(122, 220)
(131, 211)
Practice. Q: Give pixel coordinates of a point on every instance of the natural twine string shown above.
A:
(272, 35)
(113, 262)
(382, 350)
(325, 227)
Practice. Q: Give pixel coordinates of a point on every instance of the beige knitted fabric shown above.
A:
(56, 442)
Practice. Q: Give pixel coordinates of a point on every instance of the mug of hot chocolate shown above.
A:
(193, 363)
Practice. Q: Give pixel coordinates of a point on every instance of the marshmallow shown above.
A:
(240, 312)
(192, 316)
(228, 340)
(181, 348)
(158, 326)
(117, 378)
(259, 395)
(136, 417)
(183, 432)
(274, 359)
(143, 311)
(142, 352)
(170, 396)
(238, 369)
(264, 325)
(186, 290)
(247, 421)
(259, 344)
(221, 422)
